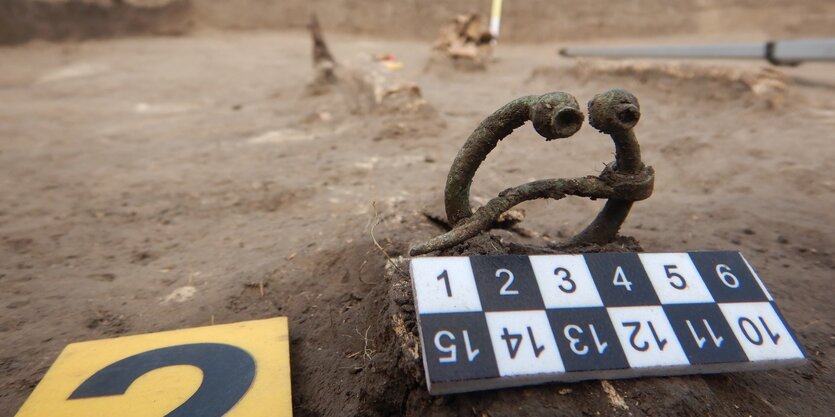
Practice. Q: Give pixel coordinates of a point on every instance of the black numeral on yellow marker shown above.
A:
(228, 372)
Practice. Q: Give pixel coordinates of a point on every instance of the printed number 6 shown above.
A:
(729, 279)
(682, 284)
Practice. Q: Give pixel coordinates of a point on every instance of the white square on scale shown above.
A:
(675, 279)
(757, 277)
(444, 285)
(646, 336)
(760, 332)
(524, 343)
(565, 281)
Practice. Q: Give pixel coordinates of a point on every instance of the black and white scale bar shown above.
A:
(499, 321)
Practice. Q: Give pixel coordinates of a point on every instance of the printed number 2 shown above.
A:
(506, 287)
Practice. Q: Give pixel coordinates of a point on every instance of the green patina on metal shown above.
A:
(554, 115)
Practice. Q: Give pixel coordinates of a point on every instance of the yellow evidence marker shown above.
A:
(231, 370)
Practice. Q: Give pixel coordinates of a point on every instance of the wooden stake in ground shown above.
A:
(323, 63)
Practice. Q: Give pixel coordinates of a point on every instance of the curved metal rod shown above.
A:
(622, 182)
(554, 115)
(637, 187)
(615, 113)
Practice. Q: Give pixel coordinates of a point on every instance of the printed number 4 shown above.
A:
(620, 279)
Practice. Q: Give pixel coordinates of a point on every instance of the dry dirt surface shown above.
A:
(529, 20)
(163, 183)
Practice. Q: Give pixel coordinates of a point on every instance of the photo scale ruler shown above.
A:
(489, 322)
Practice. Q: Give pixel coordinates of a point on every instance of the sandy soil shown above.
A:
(153, 184)
(528, 21)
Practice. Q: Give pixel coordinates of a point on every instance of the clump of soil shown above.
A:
(718, 82)
(366, 85)
(22, 20)
(463, 44)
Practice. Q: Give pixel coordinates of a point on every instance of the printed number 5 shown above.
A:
(672, 276)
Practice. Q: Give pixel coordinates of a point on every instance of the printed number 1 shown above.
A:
(445, 276)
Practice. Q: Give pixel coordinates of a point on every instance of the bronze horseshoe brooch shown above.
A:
(554, 115)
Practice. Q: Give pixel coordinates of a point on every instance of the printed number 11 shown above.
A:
(444, 276)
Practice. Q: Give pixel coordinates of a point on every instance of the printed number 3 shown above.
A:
(565, 276)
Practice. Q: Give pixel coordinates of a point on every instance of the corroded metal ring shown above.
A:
(554, 115)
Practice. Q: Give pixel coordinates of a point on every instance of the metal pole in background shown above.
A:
(791, 52)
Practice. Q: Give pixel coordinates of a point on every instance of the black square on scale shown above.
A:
(728, 277)
(457, 347)
(586, 339)
(704, 333)
(621, 279)
(506, 283)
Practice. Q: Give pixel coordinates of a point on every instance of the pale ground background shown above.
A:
(157, 182)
